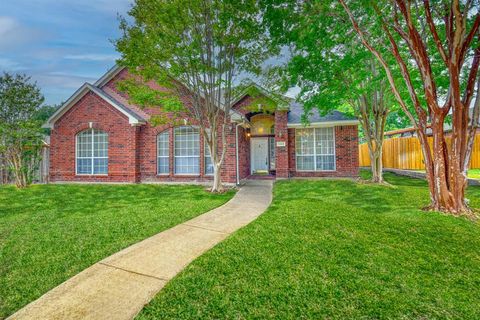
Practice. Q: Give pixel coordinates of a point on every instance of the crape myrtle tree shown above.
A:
(195, 49)
(20, 131)
(443, 55)
(332, 68)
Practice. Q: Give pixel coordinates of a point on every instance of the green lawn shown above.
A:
(474, 173)
(336, 250)
(48, 233)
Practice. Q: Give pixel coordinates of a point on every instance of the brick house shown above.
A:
(98, 136)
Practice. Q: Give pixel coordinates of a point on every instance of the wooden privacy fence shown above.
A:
(406, 153)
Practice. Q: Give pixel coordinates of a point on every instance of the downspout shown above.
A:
(236, 153)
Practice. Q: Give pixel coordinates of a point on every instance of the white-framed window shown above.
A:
(315, 149)
(92, 152)
(187, 150)
(163, 152)
(208, 160)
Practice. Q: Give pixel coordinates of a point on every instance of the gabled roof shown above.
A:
(111, 73)
(133, 117)
(282, 104)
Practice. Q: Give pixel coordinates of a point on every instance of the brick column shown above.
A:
(281, 143)
(133, 163)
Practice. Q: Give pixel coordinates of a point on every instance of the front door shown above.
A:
(259, 155)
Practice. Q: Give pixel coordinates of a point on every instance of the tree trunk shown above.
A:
(446, 181)
(376, 163)
(217, 178)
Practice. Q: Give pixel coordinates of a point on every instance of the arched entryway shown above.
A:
(262, 144)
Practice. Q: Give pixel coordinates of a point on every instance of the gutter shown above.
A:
(323, 124)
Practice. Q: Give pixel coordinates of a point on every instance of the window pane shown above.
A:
(326, 162)
(163, 165)
(305, 163)
(100, 144)
(324, 141)
(187, 165)
(84, 144)
(163, 152)
(208, 160)
(100, 166)
(304, 144)
(84, 166)
(187, 141)
(272, 153)
(325, 148)
(163, 144)
(92, 152)
(187, 150)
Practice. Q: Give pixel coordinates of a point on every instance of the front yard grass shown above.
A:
(333, 249)
(474, 173)
(49, 233)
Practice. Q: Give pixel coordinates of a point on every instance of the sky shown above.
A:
(61, 44)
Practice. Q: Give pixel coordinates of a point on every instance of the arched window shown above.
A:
(163, 152)
(92, 152)
(187, 150)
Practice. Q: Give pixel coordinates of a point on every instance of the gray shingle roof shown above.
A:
(296, 112)
(124, 107)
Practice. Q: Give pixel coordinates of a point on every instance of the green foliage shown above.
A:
(196, 49)
(197, 44)
(20, 127)
(45, 112)
(49, 233)
(262, 100)
(336, 249)
(327, 60)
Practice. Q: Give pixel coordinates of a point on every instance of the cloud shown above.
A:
(62, 80)
(93, 57)
(9, 65)
(13, 34)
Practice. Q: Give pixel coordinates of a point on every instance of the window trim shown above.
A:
(92, 157)
(315, 150)
(167, 131)
(174, 156)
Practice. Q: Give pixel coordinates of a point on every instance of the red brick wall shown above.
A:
(346, 153)
(122, 139)
(281, 153)
(243, 153)
(147, 155)
(133, 150)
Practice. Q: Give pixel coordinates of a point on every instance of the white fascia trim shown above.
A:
(324, 124)
(108, 76)
(77, 96)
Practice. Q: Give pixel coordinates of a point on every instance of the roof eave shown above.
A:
(324, 124)
(79, 94)
(108, 76)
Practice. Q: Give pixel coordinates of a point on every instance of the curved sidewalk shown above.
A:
(119, 286)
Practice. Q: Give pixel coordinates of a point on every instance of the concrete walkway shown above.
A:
(119, 286)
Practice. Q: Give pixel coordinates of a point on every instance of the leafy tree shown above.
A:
(45, 112)
(443, 57)
(20, 132)
(332, 69)
(196, 49)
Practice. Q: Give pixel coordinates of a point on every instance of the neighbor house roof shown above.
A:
(316, 119)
